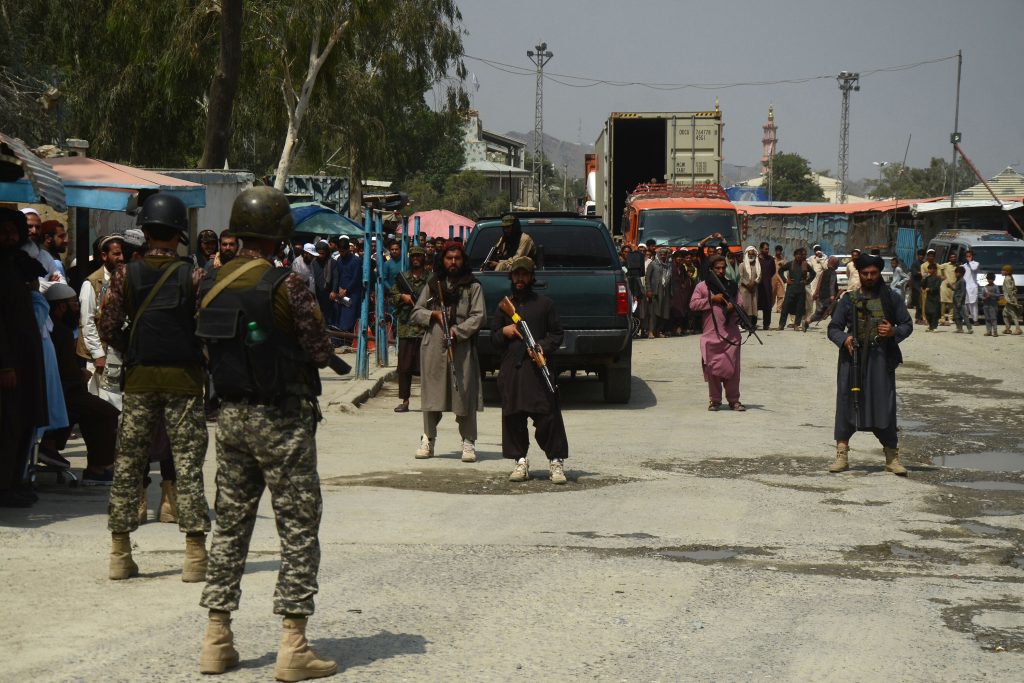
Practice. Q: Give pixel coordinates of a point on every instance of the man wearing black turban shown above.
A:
(870, 322)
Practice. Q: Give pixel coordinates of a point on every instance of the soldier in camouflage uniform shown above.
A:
(148, 316)
(404, 293)
(266, 338)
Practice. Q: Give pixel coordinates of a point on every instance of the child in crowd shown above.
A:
(990, 304)
(1011, 311)
(960, 302)
(932, 286)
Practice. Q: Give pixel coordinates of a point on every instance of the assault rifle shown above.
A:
(490, 254)
(537, 355)
(405, 287)
(448, 346)
(716, 287)
(855, 365)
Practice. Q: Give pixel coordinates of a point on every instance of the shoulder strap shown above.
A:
(168, 272)
(223, 284)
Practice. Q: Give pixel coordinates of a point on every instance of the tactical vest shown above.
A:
(266, 365)
(164, 335)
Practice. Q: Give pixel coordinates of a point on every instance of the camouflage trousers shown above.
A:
(186, 429)
(257, 447)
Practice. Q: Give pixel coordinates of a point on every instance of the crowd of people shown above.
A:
(807, 287)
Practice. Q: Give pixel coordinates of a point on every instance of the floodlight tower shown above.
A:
(540, 56)
(847, 81)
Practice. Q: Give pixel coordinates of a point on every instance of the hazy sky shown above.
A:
(682, 42)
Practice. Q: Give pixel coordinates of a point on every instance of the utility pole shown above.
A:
(847, 81)
(540, 56)
(955, 138)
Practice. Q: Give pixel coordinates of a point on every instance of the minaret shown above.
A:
(768, 142)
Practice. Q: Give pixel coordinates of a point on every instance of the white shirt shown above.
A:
(88, 305)
(44, 257)
(971, 280)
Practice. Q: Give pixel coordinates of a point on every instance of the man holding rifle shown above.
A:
(525, 382)
(404, 292)
(720, 340)
(870, 323)
(451, 308)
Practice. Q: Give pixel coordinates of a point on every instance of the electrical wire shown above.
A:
(590, 82)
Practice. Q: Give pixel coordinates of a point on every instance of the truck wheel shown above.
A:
(617, 383)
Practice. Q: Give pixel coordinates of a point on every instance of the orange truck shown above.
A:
(680, 216)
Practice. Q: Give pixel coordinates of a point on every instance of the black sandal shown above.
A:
(713, 406)
(737, 406)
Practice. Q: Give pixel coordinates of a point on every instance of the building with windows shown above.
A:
(501, 159)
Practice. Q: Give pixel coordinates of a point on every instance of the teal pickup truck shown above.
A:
(578, 268)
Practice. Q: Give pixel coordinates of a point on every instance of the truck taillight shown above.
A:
(621, 300)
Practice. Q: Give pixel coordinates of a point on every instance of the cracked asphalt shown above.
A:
(687, 545)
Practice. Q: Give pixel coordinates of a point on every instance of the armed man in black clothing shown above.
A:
(524, 391)
(872, 323)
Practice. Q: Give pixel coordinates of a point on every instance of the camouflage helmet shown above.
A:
(521, 263)
(261, 212)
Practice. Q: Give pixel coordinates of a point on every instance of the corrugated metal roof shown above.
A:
(97, 184)
(810, 209)
(1007, 184)
(43, 179)
(495, 167)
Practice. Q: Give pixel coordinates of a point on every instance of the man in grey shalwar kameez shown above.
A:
(464, 299)
(659, 293)
(882, 323)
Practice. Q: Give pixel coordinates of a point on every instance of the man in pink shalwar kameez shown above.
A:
(719, 342)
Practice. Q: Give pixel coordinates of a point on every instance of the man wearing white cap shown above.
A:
(31, 247)
(301, 265)
(106, 370)
(750, 278)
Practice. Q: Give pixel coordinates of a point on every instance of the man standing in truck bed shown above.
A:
(512, 244)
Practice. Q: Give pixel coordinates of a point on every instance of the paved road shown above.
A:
(688, 545)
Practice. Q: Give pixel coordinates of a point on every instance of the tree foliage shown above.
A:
(135, 79)
(922, 183)
(791, 180)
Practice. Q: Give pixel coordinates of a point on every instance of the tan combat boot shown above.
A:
(122, 566)
(295, 661)
(168, 502)
(218, 653)
(142, 512)
(892, 461)
(193, 570)
(842, 461)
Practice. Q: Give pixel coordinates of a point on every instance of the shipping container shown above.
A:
(659, 147)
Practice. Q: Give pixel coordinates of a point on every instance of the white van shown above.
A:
(992, 250)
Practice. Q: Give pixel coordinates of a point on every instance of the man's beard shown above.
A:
(226, 256)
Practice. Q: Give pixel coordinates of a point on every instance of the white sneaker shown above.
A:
(557, 472)
(521, 472)
(468, 451)
(426, 449)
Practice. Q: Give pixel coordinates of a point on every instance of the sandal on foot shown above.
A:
(737, 406)
(713, 406)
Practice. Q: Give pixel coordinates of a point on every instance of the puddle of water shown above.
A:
(902, 553)
(982, 529)
(701, 555)
(986, 461)
(988, 485)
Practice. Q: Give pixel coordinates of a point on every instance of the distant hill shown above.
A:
(559, 152)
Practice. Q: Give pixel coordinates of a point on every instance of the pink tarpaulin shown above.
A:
(435, 223)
